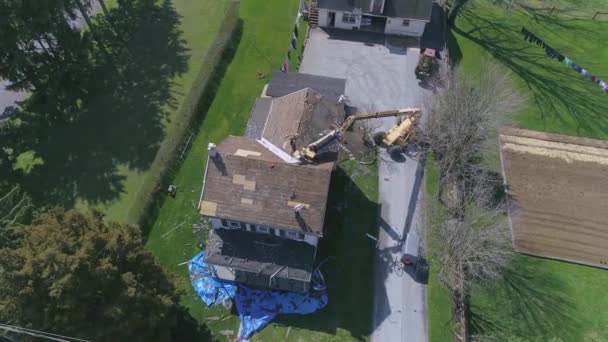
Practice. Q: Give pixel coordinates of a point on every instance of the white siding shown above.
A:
(215, 222)
(311, 239)
(395, 26)
(346, 26)
(323, 17)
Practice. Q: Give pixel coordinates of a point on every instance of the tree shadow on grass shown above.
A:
(202, 107)
(116, 118)
(189, 329)
(350, 270)
(566, 101)
(529, 303)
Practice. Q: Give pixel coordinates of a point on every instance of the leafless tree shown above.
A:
(460, 118)
(472, 242)
(469, 251)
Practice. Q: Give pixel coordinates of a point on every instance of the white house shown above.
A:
(399, 17)
(266, 209)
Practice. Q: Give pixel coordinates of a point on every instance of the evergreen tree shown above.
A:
(15, 208)
(77, 275)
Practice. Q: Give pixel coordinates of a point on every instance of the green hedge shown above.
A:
(192, 110)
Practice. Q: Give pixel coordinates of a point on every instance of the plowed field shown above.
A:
(558, 187)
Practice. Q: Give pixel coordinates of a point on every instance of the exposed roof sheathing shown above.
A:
(300, 118)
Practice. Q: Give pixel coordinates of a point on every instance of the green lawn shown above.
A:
(199, 23)
(266, 33)
(558, 98)
(262, 47)
(539, 299)
(438, 298)
(128, 105)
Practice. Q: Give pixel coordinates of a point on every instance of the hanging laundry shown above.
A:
(552, 53)
(586, 74)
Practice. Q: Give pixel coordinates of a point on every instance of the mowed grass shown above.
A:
(538, 299)
(558, 99)
(128, 105)
(266, 34)
(438, 297)
(199, 23)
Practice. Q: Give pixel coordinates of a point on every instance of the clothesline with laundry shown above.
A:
(552, 53)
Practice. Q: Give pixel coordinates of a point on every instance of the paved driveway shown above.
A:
(379, 73)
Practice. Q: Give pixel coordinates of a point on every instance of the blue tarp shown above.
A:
(256, 308)
(211, 290)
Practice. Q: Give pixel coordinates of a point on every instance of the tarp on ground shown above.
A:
(211, 290)
(256, 308)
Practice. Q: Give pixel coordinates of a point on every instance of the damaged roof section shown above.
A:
(245, 182)
(297, 119)
(254, 258)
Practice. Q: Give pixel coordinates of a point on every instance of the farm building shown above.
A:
(398, 17)
(267, 210)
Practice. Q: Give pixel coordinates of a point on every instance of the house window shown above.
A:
(348, 18)
(262, 229)
(234, 224)
(406, 22)
(295, 235)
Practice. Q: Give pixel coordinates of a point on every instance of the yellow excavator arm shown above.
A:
(309, 152)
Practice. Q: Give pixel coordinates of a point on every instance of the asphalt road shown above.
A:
(380, 76)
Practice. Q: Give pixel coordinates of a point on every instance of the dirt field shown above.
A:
(558, 187)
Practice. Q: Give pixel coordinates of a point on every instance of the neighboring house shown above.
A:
(399, 17)
(266, 209)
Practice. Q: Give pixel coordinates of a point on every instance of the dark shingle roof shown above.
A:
(345, 5)
(283, 83)
(257, 117)
(262, 254)
(408, 9)
(248, 183)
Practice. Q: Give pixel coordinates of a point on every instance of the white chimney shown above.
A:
(212, 150)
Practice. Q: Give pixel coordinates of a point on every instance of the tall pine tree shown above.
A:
(15, 209)
(77, 275)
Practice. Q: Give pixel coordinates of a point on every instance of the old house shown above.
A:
(398, 17)
(267, 210)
